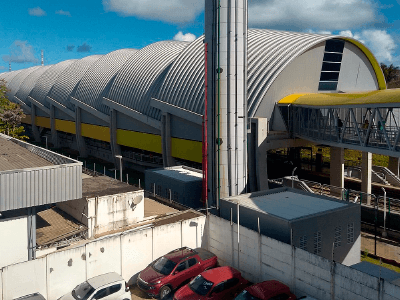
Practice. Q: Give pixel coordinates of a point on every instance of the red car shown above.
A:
(267, 290)
(220, 283)
(174, 269)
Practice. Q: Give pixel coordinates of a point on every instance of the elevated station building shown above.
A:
(151, 100)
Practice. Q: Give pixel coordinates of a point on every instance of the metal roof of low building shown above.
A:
(287, 204)
(180, 173)
(15, 157)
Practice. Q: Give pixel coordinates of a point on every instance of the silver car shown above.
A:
(107, 286)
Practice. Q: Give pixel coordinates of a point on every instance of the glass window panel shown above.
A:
(329, 76)
(327, 86)
(334, 46)
(334, 57)
(326, 66)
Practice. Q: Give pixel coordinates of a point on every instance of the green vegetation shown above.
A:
(391, 72)
(365, 257)
(10, 116)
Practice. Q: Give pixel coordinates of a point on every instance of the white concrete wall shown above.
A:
(262, 258)
(126, 253)
(106, 213)
(65, 270)
(24, 278)
(137, 252)
(14, 241)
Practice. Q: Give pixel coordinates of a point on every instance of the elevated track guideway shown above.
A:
(367, 122)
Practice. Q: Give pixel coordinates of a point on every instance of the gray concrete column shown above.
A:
(168, 160)
(54, 133)
(337, 167)
(35, 129)
(115, 148)
(394, 165)
(257, 154)
(31, 233)
(366, 174)
(79, 138)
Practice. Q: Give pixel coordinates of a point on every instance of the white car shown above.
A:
(107, 286)
(35, 296)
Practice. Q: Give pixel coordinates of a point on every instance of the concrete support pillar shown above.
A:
(366, 174)
(394, 165)
(337, 167)
(31, 228)
(168, 160)
(54, 133)
(257, 154)
(226, 37)
(35, 129)
(79, 138)
(115, 148)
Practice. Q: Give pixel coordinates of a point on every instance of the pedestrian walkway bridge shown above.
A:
(368, 122)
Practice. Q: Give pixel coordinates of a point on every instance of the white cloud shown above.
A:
(173, 11)
(378, 41)
(188, 37)
(21, 52)
(326, 15)
(63, 13)
(37, 12)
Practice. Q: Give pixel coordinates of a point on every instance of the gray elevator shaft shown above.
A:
(226, 35)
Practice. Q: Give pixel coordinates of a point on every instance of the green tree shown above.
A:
(11, 115)
(391, 72)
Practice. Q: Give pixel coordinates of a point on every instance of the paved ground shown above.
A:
(138, 294)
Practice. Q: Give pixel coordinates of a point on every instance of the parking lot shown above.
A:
(138, 294)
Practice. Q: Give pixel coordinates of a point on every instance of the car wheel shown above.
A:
(165, 291)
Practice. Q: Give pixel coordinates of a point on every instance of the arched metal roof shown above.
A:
(29, 83)
(15, 83)
(96, 81)
(140, 76)
(47, 80)
(269, 52)
(9, 76)
(183, 85)
(69, 78)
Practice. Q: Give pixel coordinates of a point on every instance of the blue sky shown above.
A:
(77, 28)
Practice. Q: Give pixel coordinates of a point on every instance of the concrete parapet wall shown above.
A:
(262, 258)
(125, 253)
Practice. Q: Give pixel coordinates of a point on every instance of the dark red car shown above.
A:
(267, 290)
(221, 283)
(174, 269)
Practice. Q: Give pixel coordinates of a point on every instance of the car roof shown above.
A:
(179, 254)
(268, 288)
(35, 296)
(220, 274)
(104, 279)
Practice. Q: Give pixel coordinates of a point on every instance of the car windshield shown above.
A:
(245, 295)
(200, 286)
(82, 291)
(164, 266)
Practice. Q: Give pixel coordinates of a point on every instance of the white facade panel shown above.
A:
(13, 241)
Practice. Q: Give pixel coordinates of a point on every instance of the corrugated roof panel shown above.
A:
(46, 81)
(15, 83)
(140, 76)
(29, 83)
(96, 81)
(69, 78)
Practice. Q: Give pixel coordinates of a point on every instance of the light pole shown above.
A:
(384, 233)
(46, 141)
(120, 166)
(293, 176)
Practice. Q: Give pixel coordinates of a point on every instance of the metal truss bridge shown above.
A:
(367, 122)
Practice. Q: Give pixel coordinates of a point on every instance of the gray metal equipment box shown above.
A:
(183, 184)
(318, 224)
